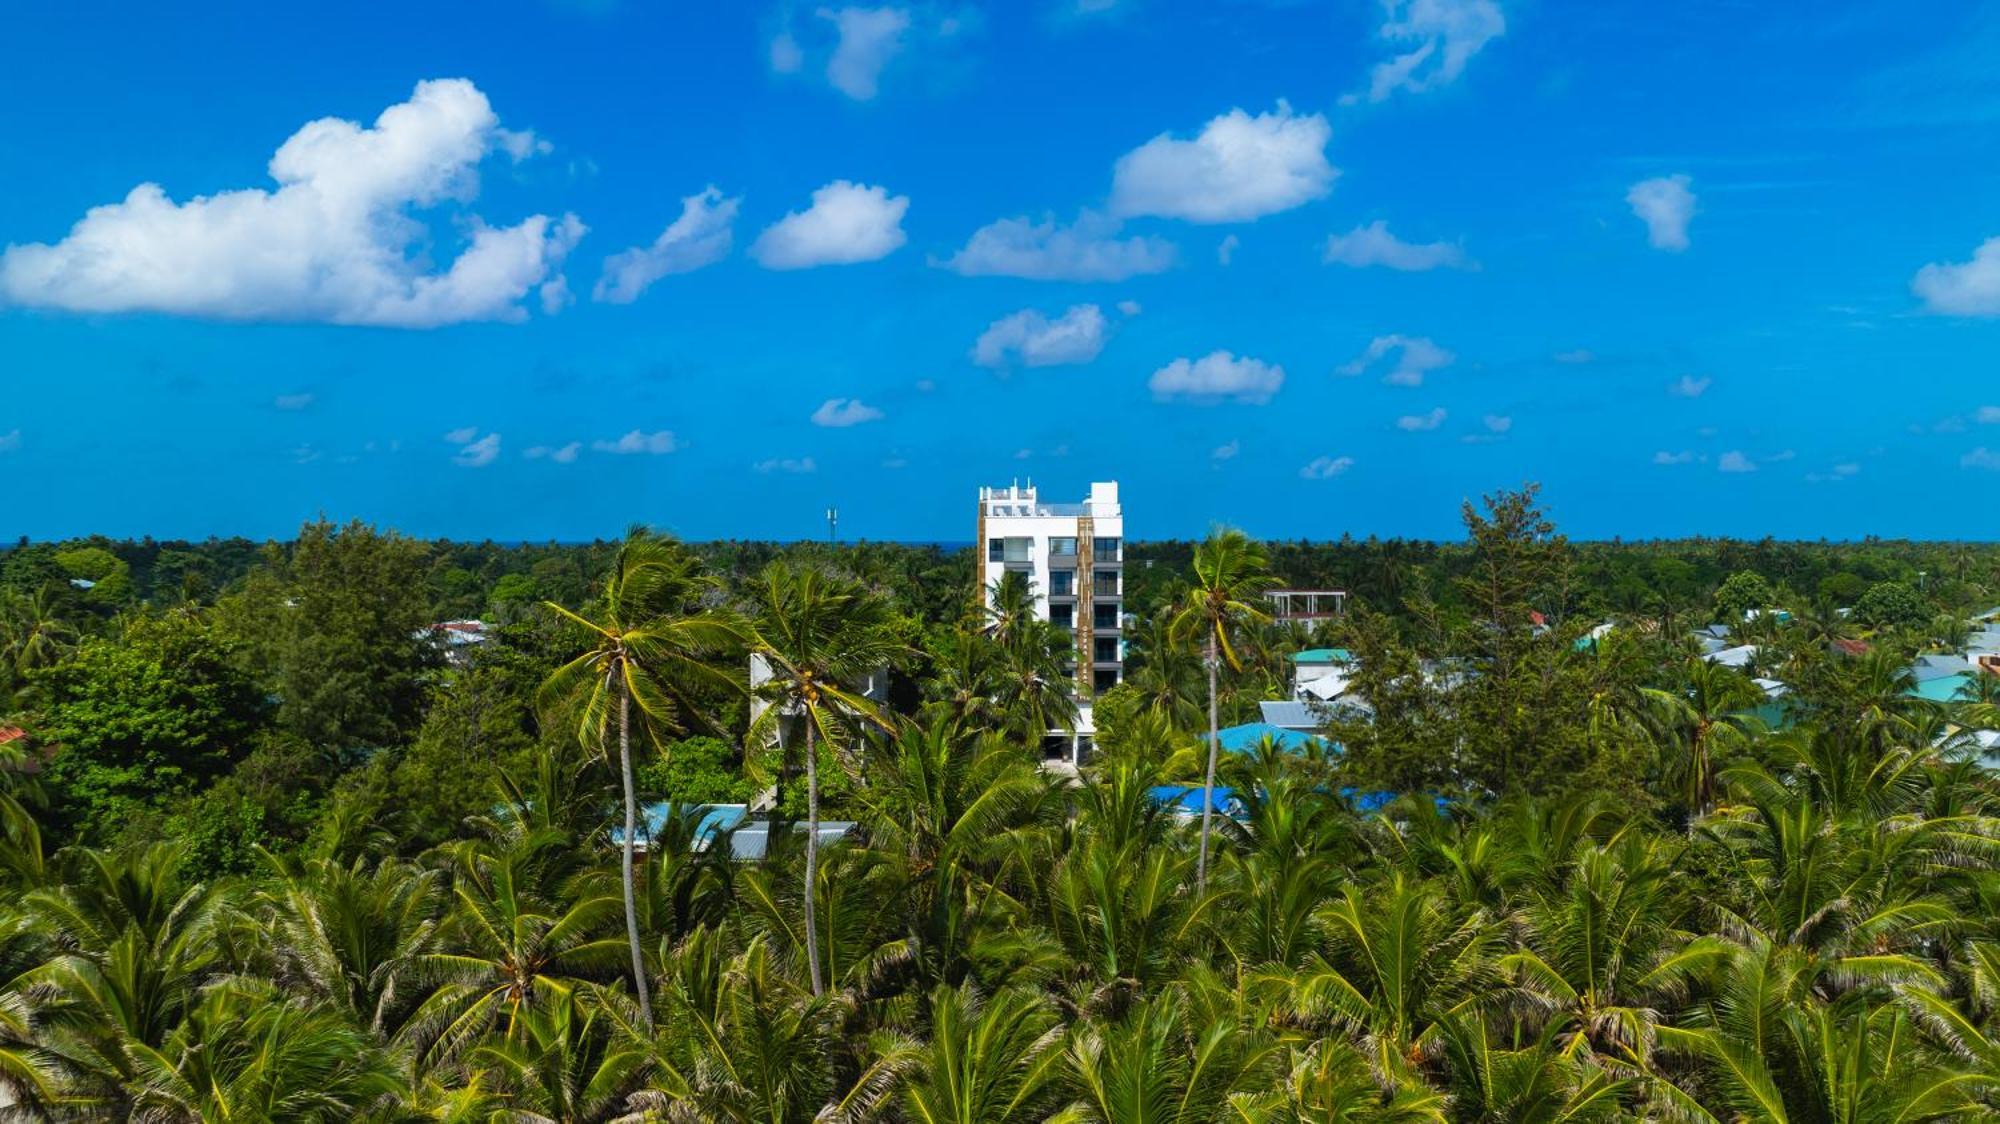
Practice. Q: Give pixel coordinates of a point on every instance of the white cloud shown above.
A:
(869, 38)
(331, 243)
(299, 401)
(1326, 468)
(1034, 340)
(1226, 249)
(477, 453)
(521, 144)
(1497, 423)
(462, 434)
(699, 237)
(1688, 386)
(847, 223)
(1981, 457)
(1969, 288)
(786, 54)
(839, 413)
(787, 464)
(1441, 37)
(1685, 456)
(1734, 461)
(1839, 474)
(1577, 355)
(1988, 415)
(1239, 168)
(1416, 356)
(560, 454)
(639, 441)
(1218, 376)
(1226, 451)
(1129, 308)
(1374, 245)
(1421, 423)
(1086, 250)
(555, 295)
(10, 441)
(1665, 205)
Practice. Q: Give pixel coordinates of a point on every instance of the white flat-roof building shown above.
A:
(1073, 554)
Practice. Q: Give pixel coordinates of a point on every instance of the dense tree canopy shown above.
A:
(268, 852)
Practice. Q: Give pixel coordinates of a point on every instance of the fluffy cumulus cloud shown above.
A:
(1217, 377)
(847, 223)
(332, 242)
(1689, 386)
(1981, 457)
(793, 465)
(1735, 461)
(700, 236)
(559, 454)
(1414, 357)
(1497, 423)
(474, 451)
(1663, 457)
(1086, 250)
(1237, 169)
(1664, 204)
(639, 441)
(1227, 451)
(1375, 245)
(1967, 288)
(1421, 423)
(1326, 468)
(1033, 340)
(1434, 39)
(839, 413)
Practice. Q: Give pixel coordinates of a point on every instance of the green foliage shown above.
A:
(1638, 901)
(159, 711)
(1891, 605)
(696, 771)
(1743, 592)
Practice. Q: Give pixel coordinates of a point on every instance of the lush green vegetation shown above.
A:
(269, 854)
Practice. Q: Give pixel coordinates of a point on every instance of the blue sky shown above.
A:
(1309, 268)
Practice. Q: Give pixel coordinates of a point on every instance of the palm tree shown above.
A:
(1230, 571)
(651, 646)
(991, 1060)
(818, 633)
(1709, 716)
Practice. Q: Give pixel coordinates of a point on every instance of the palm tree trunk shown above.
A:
(631, 837)
(812, 852)
(1208, 781)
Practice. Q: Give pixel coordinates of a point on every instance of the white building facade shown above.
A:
(1074, 556)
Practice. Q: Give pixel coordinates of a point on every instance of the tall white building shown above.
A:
(1074, 554)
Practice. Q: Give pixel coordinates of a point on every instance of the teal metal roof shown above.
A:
(1945, 688)
(1244, 738)
(1324, 655)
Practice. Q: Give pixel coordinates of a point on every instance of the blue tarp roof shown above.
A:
(1187, 799)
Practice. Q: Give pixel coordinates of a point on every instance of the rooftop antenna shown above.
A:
(832, 524)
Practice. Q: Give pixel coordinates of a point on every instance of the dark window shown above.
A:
(1062, 583)
(996, 550)
(1104, 550)
(1062, 616)
(1104, 615)
(1104, 678)
(1105, 649)
(1106, 584)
